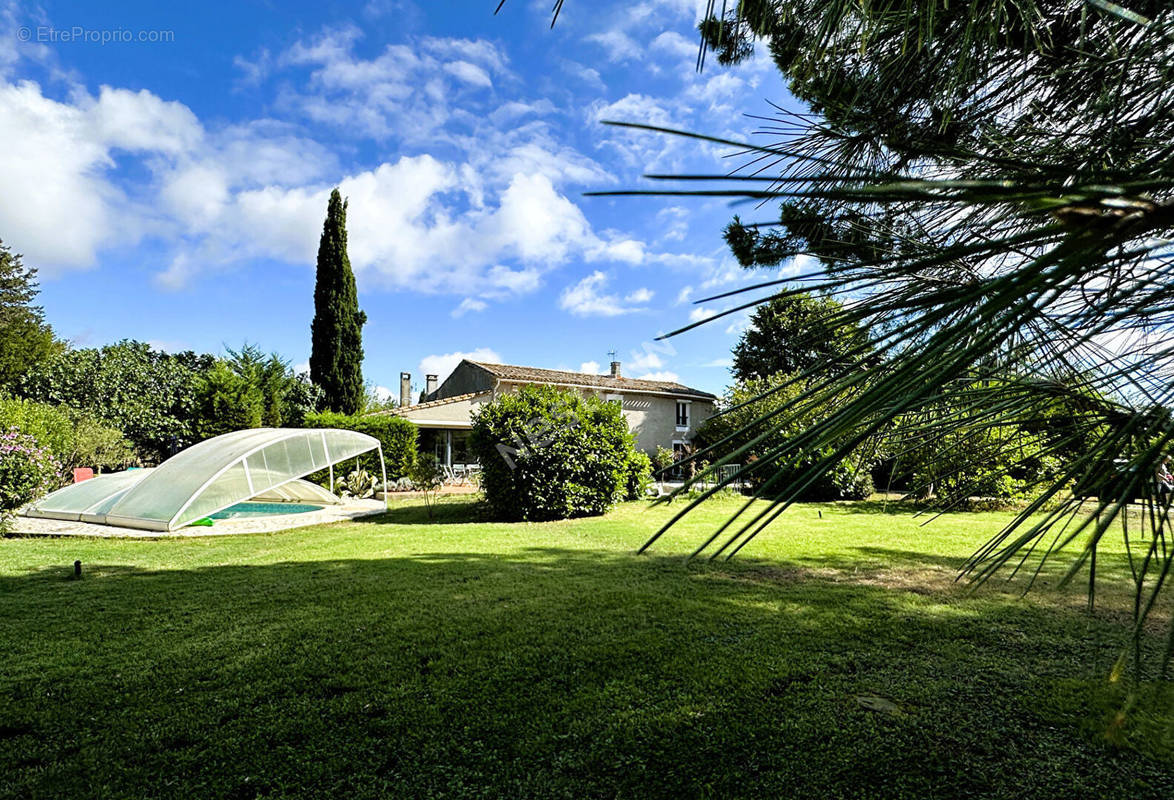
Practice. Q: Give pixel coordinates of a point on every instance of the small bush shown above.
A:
(639, 476)
(548, 454)
(427, 477)
(27, 471)
(396, 434)
(74, 438)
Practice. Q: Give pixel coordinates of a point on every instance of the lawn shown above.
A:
(396, 658)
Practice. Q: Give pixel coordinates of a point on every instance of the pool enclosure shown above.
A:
(255, 464)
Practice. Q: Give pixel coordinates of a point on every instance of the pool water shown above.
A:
(256, 509)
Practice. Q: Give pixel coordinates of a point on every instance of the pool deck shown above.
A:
(30, 526)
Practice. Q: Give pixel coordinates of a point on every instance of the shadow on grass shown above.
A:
(548, 672)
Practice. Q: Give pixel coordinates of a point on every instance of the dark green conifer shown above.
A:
(336, 355)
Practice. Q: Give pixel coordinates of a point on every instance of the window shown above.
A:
(682, 415)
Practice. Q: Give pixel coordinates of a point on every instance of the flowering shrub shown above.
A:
(27, 470)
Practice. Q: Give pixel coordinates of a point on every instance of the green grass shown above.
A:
(463, 659)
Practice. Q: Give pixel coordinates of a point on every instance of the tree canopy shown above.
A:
(25, 338)
(795, 334)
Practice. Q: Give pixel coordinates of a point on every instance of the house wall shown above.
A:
(456, 414)
(653, 419)
(464, 379)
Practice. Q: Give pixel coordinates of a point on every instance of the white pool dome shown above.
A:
(259, 463)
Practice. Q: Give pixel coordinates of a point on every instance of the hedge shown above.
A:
(396, 434)
(550, 454)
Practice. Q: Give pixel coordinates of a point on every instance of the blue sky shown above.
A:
(172, 190)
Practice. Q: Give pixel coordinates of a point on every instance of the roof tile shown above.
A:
(536, 375)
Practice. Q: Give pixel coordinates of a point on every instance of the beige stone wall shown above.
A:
(653, 419)
(457, 413)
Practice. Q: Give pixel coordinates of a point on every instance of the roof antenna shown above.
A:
(611, 355)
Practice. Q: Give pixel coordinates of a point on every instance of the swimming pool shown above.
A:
(256, 509)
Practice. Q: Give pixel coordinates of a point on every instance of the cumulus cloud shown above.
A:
(442, 365)
(256, 190)
(493, 215)
(590, 367)
(589, 298)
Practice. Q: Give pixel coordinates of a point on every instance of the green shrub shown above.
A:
(27, 471)
(740, 426)
(639, 475)
(664, 459)
(74, 438)
(226, 401)
(551, 454)
(396, 434)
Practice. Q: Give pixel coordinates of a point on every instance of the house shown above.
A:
(660, 413)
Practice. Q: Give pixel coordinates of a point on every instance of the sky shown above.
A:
(166, 167)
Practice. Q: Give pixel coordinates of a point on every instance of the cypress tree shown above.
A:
(336, 354)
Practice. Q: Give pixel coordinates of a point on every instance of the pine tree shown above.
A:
(336, 355)
(993, 189)
(25, 339)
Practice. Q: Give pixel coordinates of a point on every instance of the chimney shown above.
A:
(405, 388)
(429, 385)
(615, 369)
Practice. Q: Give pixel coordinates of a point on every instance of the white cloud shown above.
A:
(740, 323)
(443, 365)
(618, 45)
(700, 313)
(589, 75)
(588, 298)
(383, 394)
(719, 362)
(469, 304)
(717, 92)
(674, 44)
(675, 220)
(435, 238)
(590, 367)
(469, 73)
(684, 295)
(663, 375)
(638, 148)
(55, 159)
(645, 360)
(493, 216)
(410, 91)
(141, 121)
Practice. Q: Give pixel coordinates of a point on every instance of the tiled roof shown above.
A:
(536, 375)
(399, 410)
